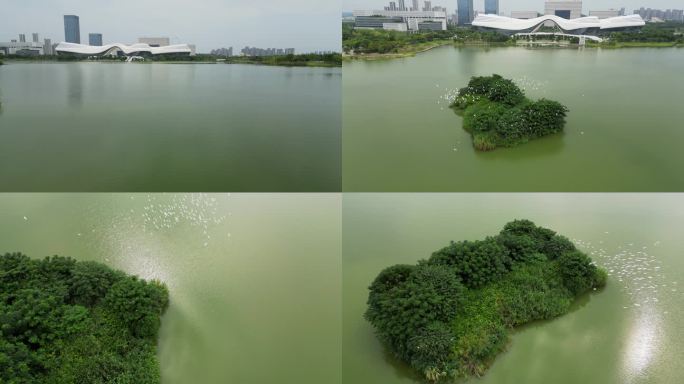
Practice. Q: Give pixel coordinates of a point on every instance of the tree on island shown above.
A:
(450, 315)
(63, 321)
(497, 113)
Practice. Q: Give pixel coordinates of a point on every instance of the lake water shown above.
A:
(629, 333)
(169, 127)
(623, 133)
(254, 280)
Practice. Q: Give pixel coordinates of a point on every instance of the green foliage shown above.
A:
(382, 41)
(138, 305)
(650, 33)
(405, 303)
(63, 321)
(475, 262)
(578, 272)
(497, 113)
(307, 59)
(450, 315)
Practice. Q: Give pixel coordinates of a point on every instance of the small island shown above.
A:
(449, 316)
(63, 321)
(497, 114)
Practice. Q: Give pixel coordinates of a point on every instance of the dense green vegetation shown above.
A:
(669, 32)
(377, 41)
(302, 60)
(450, 315)
(497, 113)
(63, 321)
(362, 41)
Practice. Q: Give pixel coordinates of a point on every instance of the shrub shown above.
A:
(429, 294)
(138, 305)
(431, 351)
(475, 262)
(55, 328)
(577, 271)
(557, 246)
(497, 113)
(450, 315)
(90, 282)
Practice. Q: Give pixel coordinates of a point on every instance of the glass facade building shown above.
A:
(72, 29)
(465, 12)
(95, 39)
(492, 7)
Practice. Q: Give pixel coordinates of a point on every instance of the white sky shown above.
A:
(507, 6)
(306, 25)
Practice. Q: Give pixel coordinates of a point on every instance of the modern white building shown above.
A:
(579, 26)
(115, 49)
(391, 20)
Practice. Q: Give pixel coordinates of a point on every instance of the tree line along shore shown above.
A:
(292, 60)
(373, 44)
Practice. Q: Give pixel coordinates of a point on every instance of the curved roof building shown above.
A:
(128, 50)
(579, 24)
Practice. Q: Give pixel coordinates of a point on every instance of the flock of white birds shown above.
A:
(638, 271)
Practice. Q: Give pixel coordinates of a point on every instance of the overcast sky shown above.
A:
(506, 6)
(306, 25)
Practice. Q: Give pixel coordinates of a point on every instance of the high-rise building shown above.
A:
(402, 6)
(656, 14)
(95, 39)
(47, 47)
(428, 6)
(415, 6)
(492, 7)
(72, 29)
(466, 13)
(35, 37)
(22, 38)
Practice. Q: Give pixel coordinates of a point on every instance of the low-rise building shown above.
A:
(524, 15)
(155, 41)
(21, 48)
(389, 19)
(605, 14)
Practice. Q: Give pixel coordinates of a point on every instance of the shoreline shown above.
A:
(397, 55)
(309, 65)
(539, 44)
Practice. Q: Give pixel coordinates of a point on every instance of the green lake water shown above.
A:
(254, 280)
(624, 130)
(169, 127)
(628, 333)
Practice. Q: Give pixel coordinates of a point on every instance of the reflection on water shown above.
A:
(75, 85)
(169, 127)
(642, 342)
(249, 288)
(627, 333)
(640, 274)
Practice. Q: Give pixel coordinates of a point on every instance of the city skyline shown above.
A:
(506, 6)
(306, 25)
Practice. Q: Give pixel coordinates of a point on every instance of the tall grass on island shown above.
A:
(497, 114)
(63, 321)
(450, 315)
